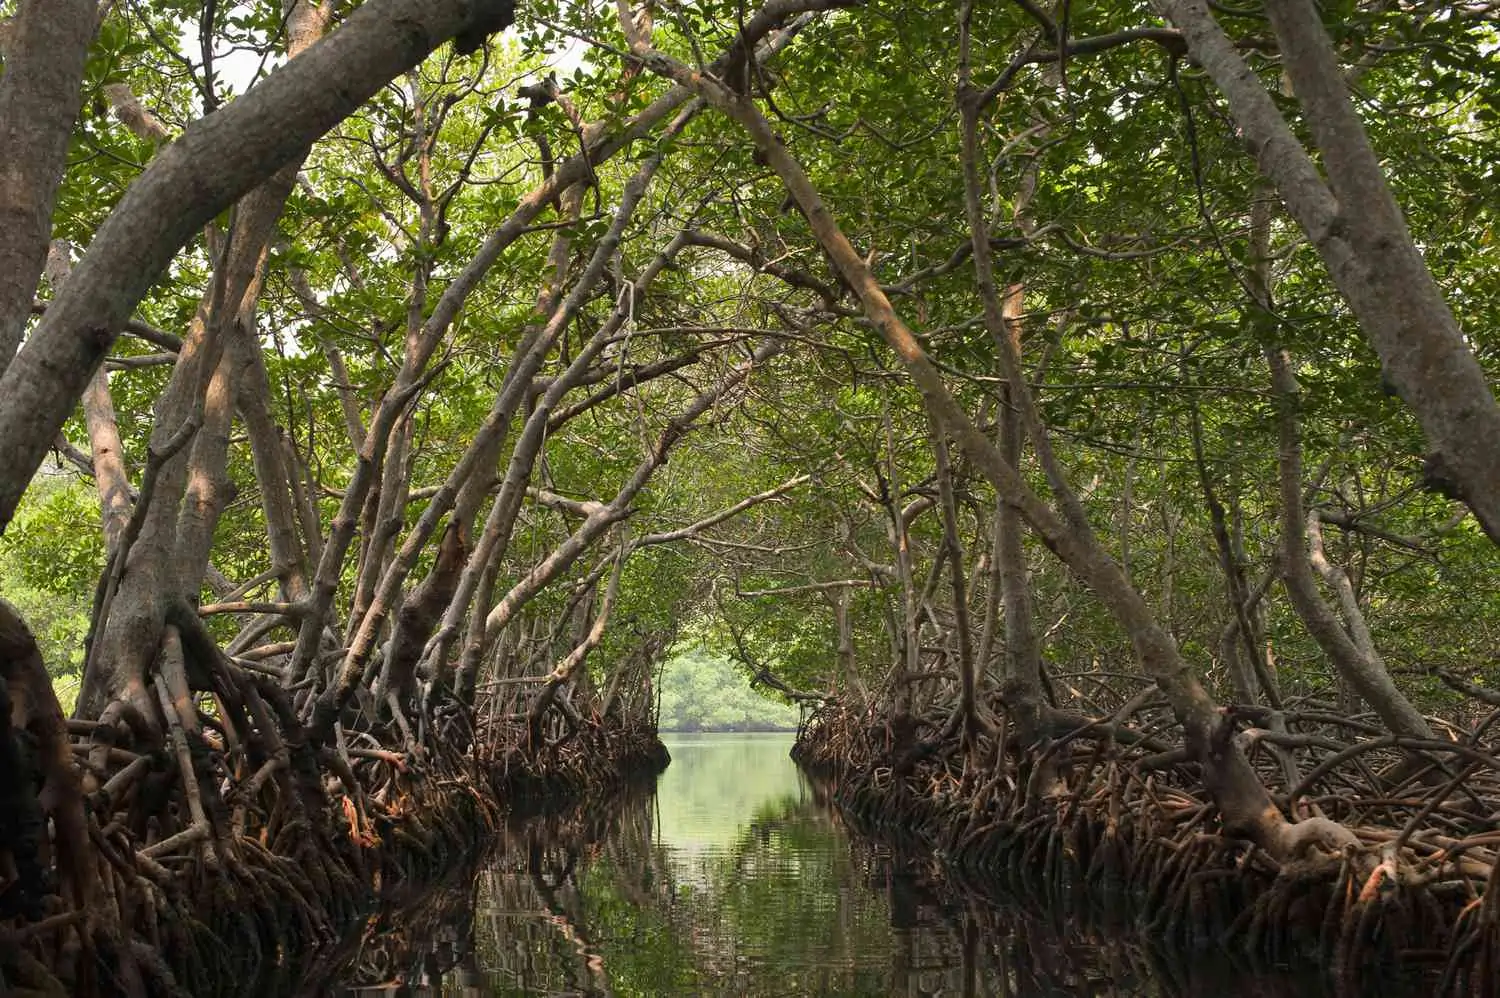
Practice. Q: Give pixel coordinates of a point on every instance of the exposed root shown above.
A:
(1372, 880)
(417, 938)
(223, 851)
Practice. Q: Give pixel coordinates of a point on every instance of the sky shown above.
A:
(237, 69)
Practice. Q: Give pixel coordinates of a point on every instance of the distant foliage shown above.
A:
(701, 691)
(50, 560)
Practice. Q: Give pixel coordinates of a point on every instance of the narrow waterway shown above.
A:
(734, 878)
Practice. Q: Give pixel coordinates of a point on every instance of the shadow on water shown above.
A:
(736, 879)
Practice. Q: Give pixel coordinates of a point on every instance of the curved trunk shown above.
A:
(217, 160)
(425, 609)
(1246, 806)
(38, 778)
(1358, 229)
(106, 452)
(1364, 672)
(46, 47)
(274, 477)
(168, 557)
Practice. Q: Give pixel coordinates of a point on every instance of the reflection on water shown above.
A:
(735, 880)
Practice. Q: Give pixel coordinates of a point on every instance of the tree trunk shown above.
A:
(1022, 686)
(111, 479)
(288, 557)
(1367, 674)
(38, 782)
(1243, 656)
(968, 681)
(169, 558)
(486, 441)
(568, 667)
(40, 91)
(1359, 231)
(215, 161)
(1227, 775)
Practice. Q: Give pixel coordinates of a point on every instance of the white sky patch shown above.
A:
(237, 69)
(233, 68)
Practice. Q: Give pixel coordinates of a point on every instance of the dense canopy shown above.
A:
(1022, 366)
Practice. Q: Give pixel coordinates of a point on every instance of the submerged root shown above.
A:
(224, 852)
(1368, 885)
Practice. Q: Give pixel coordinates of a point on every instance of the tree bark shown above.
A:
(106, 452)
(1246, 807)
(968, 680)
(907, 661)
(40, 92)
(111, 479)
(1021, 687)
(207, 488)
(305, 25)
(142, 576)
(40, 783)
(1359, 231)
(1366, 673)
(253, 397)
(216, 161)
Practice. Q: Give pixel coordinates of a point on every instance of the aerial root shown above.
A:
(227, 852)
(1373, 889)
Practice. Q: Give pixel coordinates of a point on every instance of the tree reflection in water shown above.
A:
(736, 879)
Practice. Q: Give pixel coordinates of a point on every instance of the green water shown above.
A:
(735, 879)
(717, 784)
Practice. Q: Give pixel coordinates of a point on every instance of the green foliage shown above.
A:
(50, 560)
(1119, 196)
(701, 691)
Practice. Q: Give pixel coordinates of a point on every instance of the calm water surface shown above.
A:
(734, 879)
